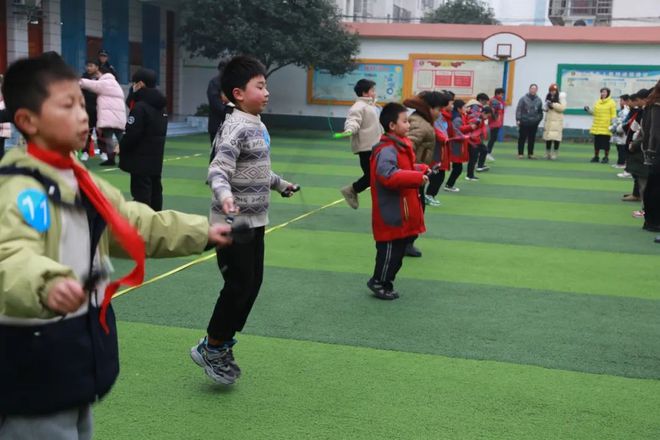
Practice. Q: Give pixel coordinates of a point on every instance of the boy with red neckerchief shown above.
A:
(396, 216)
(59, 224)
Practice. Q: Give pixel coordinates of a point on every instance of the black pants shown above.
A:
(622, 151)
(435, 182)
(389, 258)
(2, 148)
(651, 197)
(527, 133)
(242, 267)
(472, 162)
(456, 170)
(548, 145)
(147, 190)
(482, 151)
(602, 142)
(104, 139)
(494, 133)
(363, 182)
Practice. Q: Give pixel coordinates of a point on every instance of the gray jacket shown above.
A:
(529, 110)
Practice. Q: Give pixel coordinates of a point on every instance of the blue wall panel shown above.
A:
(151, 38)
(74, 41)
(115, 36)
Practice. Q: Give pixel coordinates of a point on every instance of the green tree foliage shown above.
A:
(462, 11)
(277, 32)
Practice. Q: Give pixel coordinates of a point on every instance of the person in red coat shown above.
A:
(396, 216)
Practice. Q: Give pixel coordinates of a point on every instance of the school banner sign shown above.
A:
(582, 82)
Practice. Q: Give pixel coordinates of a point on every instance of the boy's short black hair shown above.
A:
(482, 97)
(238, 72)
(487, 111)
(147, 76)
(96, 62)
(625, 97)
(451, 95)
(390, 114)
(363, 86)
(499, 90)
(634, 97)
(104, 68)
(643, 93)
(459, 104)
(27, 81)
(435, 99)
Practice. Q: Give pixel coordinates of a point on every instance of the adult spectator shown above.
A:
(142, 146)
(651, 149)
(91, 72)
(555, 105)
(216, 102)
(111, 112)
(104, 62)
(529, 114)
(604, 112)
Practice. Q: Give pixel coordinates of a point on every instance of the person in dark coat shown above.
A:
(217, 111)
(142, 148)
(104, 61)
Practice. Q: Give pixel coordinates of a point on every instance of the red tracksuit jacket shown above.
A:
(395, 181)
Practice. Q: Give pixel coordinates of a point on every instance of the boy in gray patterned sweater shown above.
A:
(241, 180)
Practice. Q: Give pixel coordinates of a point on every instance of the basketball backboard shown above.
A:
(504, 46)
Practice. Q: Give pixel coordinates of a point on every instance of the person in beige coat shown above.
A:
(555, 105)
(364, 128)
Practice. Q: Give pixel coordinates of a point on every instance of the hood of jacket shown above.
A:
(472, 102)
(152, 97)
(422, 108)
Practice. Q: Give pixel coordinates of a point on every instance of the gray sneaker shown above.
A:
(351, 196)
(218, 364)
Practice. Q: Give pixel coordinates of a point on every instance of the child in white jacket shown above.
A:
(111, 112)
(365, 130)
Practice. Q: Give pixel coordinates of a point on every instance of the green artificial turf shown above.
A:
(532, 314)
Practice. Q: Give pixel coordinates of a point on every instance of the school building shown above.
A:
(135, 33)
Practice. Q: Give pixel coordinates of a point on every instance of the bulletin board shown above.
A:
(326, 89)
(582, 82)
(465, 75)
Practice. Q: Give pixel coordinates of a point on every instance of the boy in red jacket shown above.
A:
(396, 215)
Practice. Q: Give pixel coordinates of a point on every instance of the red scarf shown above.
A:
(126, 235)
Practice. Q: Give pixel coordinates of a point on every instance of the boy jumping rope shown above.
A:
(58, 224)
(397, 216)
(241, 179)
(365, 130)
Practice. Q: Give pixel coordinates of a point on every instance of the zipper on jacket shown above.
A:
(405, 209)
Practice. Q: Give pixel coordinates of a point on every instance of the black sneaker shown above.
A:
(605, 160)
(381, 291)
(412, 251)
(218, 364)
(595, 159)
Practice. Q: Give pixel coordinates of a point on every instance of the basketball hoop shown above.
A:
(504, 46)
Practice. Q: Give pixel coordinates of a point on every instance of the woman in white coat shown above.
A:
(555, 105)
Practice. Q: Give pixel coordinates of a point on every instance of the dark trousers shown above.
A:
(242, 268)
(622, 151)
(389, 258)
(482, 152)
(104, 138)
(456, 170)
(635, 191)
(602, 142)
(494, 134)
(651, 197)
(212, 153)
(527, 133)
(435, 182)
(363, 182)
(548, 145)
(472, 162)
(2, 148)
(147, 190)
